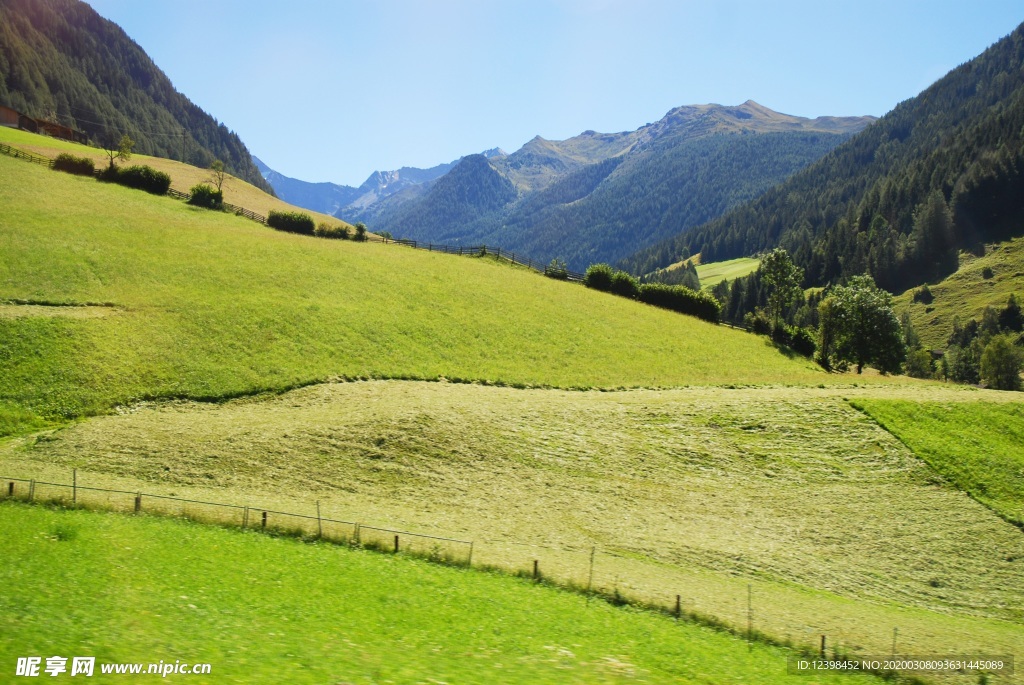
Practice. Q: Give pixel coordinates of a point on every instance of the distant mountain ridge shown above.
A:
(357, 204)
(61, 61)
(602, 196)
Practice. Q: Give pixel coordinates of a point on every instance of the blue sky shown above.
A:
(332, 90)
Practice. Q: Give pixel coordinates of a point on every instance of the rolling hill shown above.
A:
(61, 61)
(217, 306)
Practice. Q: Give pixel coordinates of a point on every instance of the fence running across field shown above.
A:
(244, 516)
(476, 250)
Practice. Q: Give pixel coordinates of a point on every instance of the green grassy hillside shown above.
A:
(713, 273)
(204, 304)
(966, 293)
(263, 610)
(183, 176)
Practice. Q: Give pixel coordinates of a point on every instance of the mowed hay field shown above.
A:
(264, 610)
(207, 305)
(837, 528)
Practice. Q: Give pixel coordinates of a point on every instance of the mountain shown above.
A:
(365, 202)
(940, 173)
(61, 61)
(601, 196)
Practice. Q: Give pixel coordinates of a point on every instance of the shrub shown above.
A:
(625, 285)
(919, 364)
(599, 277)
(336, 231)
(987, 273)
(139, 177)
(681, 299)
(68, 163)
(924, 295)
(291, 222)
(360, 232)
(203, 195)
(801, 341)
(557, 269)
(758, 322)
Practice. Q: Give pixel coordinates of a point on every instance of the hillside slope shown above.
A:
(953, 156)
(211, 305)
(598, 197)
(62, 61)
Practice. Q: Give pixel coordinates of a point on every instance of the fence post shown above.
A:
(32, 490)
(469, 561)
(319, 521)
(679, 607)
(74, 486)
(750, 619)
(396, 544)
(263, 525)
(138, 502)
(355, 535)
(822, 646)
(536, 569)
(590, 578)
(10, 489)
(245, 518)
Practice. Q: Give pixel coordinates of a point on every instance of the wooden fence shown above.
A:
(263, 519)
(482, 250)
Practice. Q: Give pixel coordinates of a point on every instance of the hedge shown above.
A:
(292, 222)
(681, 299)
(326, 230)
(599, 277)
(140, 177)
(68, 163)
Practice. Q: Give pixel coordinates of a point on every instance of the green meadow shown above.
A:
(713, 273)
(270, 610)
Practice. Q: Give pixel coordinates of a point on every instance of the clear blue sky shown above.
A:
(332, 90)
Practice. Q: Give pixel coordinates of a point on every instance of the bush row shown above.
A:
(68, 163)
(678, 298)
(140, 177)
(291, 222)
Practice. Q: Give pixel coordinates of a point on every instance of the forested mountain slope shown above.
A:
(61, 61)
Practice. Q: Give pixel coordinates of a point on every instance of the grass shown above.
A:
(214, 306)
(966, 293)
(183, 176)
(978, 446)
(261, 609)
(838, 528)
(715, 272)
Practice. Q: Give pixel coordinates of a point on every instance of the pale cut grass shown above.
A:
(835, 525)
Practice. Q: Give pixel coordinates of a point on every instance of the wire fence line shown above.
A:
(249, 517)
